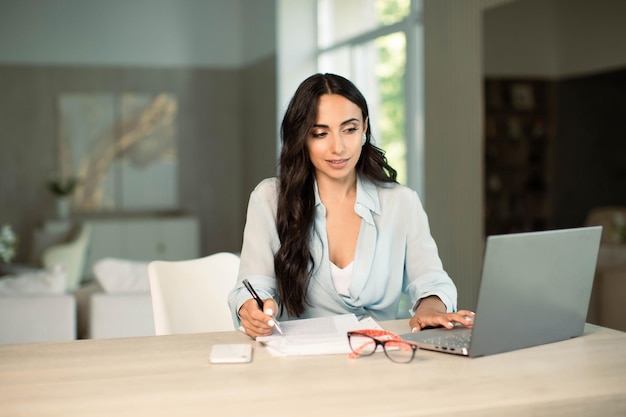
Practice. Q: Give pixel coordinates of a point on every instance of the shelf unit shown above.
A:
(519, 137)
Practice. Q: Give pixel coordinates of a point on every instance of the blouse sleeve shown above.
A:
(260, 242)
(424, 268)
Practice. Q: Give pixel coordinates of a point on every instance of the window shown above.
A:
(375, 44)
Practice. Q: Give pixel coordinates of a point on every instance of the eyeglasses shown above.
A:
(365, 343)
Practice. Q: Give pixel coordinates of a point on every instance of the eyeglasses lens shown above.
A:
(363, 345)
(399, 351)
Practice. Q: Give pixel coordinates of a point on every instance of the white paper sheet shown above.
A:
(317, 336)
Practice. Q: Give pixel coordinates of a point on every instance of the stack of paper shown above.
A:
(318, 336)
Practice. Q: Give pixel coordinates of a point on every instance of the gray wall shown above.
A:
(554, 38)
(224, 79)
(137, 33)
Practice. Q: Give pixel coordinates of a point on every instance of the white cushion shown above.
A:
(121, 275)
(45, 281)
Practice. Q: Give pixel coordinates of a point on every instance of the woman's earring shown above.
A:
(363, 139)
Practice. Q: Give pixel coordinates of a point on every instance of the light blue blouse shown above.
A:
(395, 255)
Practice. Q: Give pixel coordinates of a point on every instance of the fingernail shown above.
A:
(271, 323)
(450, 323)
(269, 311)
(414, 330)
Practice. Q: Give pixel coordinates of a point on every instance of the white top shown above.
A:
(342, 277)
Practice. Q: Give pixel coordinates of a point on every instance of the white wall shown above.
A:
(205, 33)
(520, 38)
(259, 38)
(555, 38)
(297, 40)
(592, 36)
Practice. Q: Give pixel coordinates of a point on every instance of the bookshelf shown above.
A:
(519, 137)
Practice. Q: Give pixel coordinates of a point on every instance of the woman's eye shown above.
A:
(351, 130)
(317, 135)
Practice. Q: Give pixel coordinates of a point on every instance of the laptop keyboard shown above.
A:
(459, 339)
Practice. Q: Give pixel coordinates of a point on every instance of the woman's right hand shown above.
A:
(256, 322)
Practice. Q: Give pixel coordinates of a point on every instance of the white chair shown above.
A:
(71, 256)
(192, 296)
(613, 220)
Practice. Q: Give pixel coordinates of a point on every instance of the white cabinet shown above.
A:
(140, 239)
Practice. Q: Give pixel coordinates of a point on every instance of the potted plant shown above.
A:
(62, 189)
(8, 243)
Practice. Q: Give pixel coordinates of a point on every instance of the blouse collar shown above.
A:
(367, 199)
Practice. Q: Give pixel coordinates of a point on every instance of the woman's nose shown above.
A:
(337, 145)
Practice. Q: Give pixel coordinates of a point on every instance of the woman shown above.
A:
(335, 233)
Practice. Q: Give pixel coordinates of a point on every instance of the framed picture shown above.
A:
(122, 147)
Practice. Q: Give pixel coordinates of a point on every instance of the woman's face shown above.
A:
(335, 141)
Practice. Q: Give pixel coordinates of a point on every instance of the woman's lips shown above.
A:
(337, 163)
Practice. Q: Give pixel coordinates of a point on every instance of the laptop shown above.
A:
(535, 289)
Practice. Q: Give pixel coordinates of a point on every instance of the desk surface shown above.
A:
(171, 376)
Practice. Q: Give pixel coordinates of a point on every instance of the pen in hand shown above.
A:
(259, 302)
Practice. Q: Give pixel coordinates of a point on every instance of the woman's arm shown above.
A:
(432, 287)
(425, 273)
(260, 241)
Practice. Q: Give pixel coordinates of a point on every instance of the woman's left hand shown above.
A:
(431, 312)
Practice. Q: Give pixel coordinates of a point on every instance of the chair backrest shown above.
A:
(71, 256)
(610, 218)
(192, 296)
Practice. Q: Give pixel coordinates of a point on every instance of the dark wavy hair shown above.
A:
(293, 262)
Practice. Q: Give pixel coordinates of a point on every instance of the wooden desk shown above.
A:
(171, 376)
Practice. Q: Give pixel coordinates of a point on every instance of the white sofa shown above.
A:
(37, 306)
(37, 318)
(87, 313)
(104, 315)
(83, 305)
(34, 306)
(121, 315)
